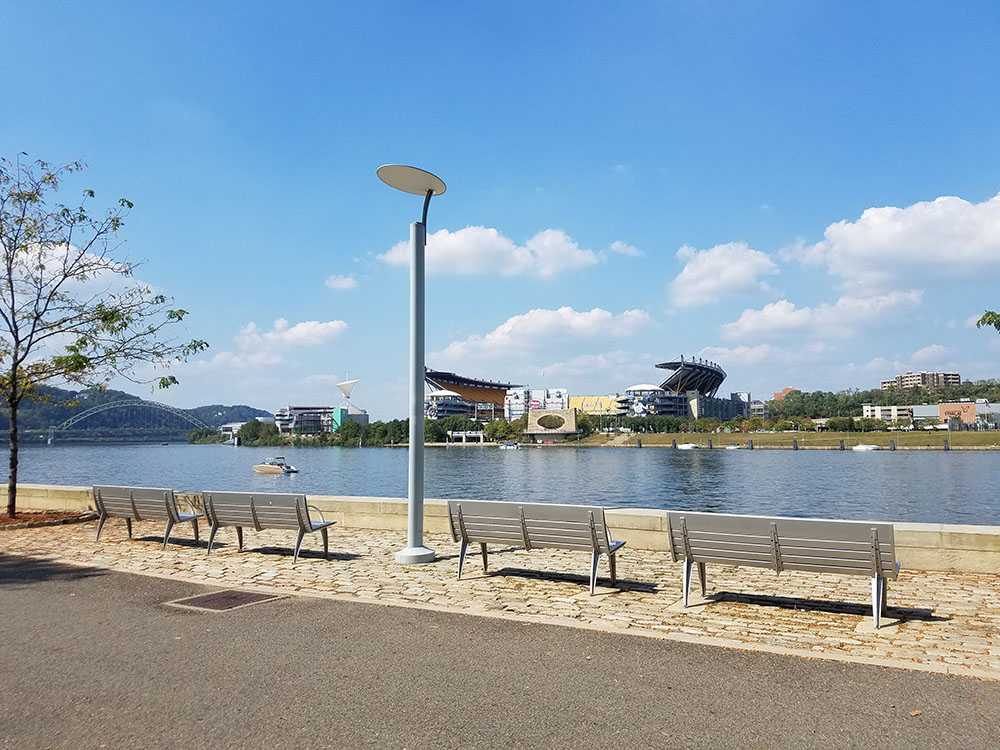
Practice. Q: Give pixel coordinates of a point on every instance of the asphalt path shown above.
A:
(95, 659)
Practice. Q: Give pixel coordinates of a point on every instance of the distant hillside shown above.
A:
(56, 405)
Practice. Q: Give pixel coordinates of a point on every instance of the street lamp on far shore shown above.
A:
(418, 182)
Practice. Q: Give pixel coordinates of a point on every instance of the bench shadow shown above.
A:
(16, 571)
(902, 614)
(603, 581)
(312, 554)
(178, 541)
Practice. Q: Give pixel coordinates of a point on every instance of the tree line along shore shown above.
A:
(642, 433)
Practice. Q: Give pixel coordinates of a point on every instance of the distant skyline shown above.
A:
(806, 193)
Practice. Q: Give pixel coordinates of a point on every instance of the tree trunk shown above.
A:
(12, 477)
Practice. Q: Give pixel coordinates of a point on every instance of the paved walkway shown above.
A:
(93, 659)
(939, 622)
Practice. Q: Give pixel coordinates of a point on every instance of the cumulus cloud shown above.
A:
(341, 283)
(306, 333)
(741, 355)
(947, 236)
(484, 250)
(618, 364)
(623, 248)
(841, 318)
(929, 354)
(540, 328)
(710, 274)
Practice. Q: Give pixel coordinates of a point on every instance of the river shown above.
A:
(924, 486)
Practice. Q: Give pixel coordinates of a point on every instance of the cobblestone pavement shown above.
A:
(941, 622)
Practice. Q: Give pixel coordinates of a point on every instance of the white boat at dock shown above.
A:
(865, 447)
(687, 446)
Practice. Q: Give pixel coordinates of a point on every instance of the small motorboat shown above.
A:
(734, 447)
(687, 446)
(864, 447)
(276, 465)
(510, 445)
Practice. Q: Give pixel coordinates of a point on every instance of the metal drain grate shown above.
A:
(223, 601)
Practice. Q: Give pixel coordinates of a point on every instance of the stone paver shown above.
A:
(943, 622)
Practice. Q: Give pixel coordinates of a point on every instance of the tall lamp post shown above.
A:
(418, 182)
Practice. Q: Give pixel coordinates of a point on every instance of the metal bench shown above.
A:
(262, 510)
(532, 525)
(141, 504)
(814, 545)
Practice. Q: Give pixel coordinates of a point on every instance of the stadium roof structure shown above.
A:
(437, 378)
(693, 375)
(473, 390)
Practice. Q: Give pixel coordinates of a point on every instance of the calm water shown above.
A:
(931, 486)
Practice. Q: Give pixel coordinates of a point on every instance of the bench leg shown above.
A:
(614, 573)
(128, 525)
(702, 578)
(166, 534)
(885, 595)
(686, 578)
(100, 527)
(461, 557)
(298, 544)
(239, 536)
(876, 601)
(194, 524)
(486, 558)
(594, 557)
(211, 538)
(326, 543)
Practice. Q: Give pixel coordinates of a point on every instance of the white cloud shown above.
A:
(710, 274)
(970, 322)
(341, 283)
(590, 367)
(947, 236)
(484, 250)
(306, 333)
(623, 248)
(541, 328)
(742, 355)
(929, 354)
(839, 319)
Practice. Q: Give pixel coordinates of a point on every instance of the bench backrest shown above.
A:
(259, 510)
(529, 524)
(138, 503)
(810, 544)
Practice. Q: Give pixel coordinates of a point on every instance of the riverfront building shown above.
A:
(315, 420)
(922, 380)
(886, 413)
(958, 415)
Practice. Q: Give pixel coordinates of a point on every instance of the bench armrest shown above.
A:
(321, 516)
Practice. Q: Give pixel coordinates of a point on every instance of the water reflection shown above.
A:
(933, 486)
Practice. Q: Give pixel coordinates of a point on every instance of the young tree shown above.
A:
(70, 309)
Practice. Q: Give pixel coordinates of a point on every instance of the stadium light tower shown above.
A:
(418, 182)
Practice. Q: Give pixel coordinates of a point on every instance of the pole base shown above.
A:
(415, 556)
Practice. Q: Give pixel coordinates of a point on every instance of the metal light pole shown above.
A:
(418, 182)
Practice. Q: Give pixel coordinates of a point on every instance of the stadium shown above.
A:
(455, 395)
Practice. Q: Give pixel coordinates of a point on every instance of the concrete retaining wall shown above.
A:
(919, 546)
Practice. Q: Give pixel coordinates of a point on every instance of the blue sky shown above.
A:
(626, 184)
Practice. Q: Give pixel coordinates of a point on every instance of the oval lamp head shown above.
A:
(410, 179)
